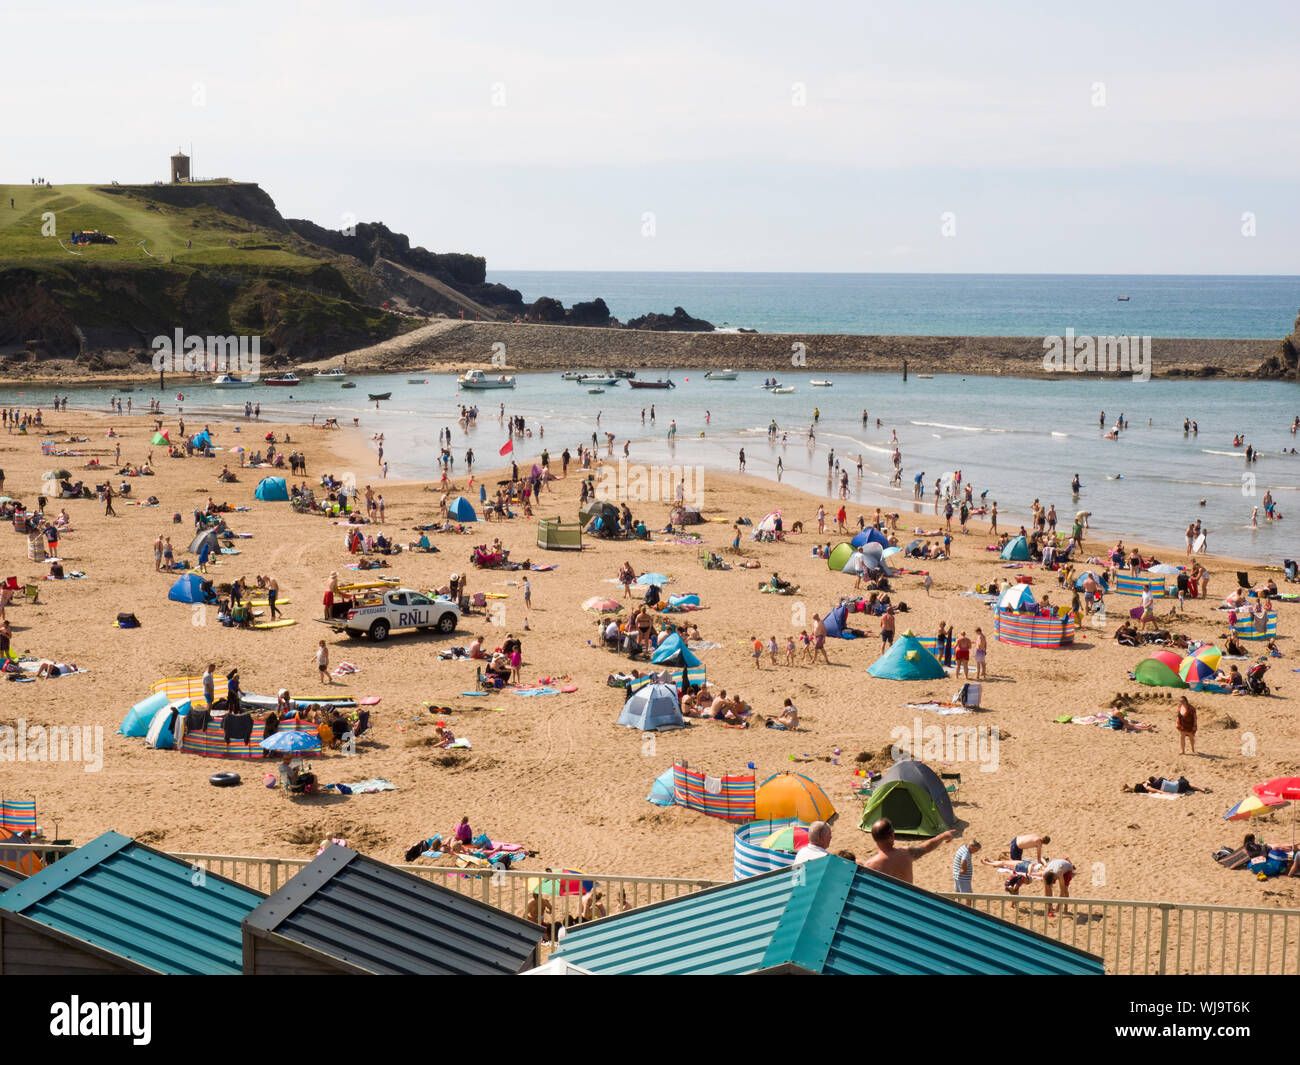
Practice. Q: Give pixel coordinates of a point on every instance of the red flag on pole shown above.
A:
(508, 447)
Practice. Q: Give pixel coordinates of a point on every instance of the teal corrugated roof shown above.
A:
(827, 916)
(721, 931)
(142, 905)
(887, 926)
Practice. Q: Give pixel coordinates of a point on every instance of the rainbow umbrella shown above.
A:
(1196, 671)
(1253, 806)
(789, 838)
(1210, 655)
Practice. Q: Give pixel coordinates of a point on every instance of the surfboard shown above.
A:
(279, 623)
(1198, 546)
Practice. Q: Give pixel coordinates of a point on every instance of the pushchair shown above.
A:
(1255, 683)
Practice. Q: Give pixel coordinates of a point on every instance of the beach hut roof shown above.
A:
(827, 916)
(168, 921)
(396, 923)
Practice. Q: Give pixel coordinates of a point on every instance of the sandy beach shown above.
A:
(555, 773)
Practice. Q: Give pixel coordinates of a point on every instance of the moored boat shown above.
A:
(284, 380)
(334, 374)
(720, 375)
(477, 379)
(652, 384)
(820, 384)
(376, 396)
(230, 380)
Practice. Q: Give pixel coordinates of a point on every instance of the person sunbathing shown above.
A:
(50, 668)
(1120, 723)
(1127, 636)
(1164, 785)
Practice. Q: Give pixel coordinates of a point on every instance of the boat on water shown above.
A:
(477, 379)
(821, 384)
(625, 374)
(600, 381)
(573, 375)
(781, 390)
(595, 391)
(1122, 299)
(231, 380)
(720, 375)
(332, 375)
(376, 397)
(652, 384)
(348, 384)
(417, 380)
(284, 380)
(926, 376)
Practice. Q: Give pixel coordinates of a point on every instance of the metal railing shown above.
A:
(1131, 937)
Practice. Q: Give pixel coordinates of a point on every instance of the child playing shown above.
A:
(757, 653)
(323, 662)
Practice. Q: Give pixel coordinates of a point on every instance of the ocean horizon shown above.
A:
(1205, 306)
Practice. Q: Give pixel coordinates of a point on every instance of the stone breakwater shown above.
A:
(541, 347)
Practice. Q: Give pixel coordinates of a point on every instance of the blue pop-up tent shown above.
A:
(836, 621)
(1016, 550)
(654, 707)
(907, 659)
(201, 440)
(462, 510)
(139, 717)
(272, 490)
(189, 589)
(674, 652)
(870, 535)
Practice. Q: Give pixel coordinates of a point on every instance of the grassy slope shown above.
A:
(303, 294)
(147, 231)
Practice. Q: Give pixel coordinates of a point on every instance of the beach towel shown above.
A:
(1162, 794)
(372, 784)
(531, 691)
(938, 708)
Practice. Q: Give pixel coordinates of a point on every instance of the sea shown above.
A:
(1014, 440)
(939, 304)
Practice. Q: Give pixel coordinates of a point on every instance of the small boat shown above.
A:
(720, 375)
(595, 391)
(820, 384)
(375, 398)
(652, 384)
(599, 381)
(781, 390)
(348, 384)
(626, 374)
(1122, 299)
(572, 375)
(284, 380)
(926, 376)
(477, 379)
(332, 375)
(417, 380)
(230, 380)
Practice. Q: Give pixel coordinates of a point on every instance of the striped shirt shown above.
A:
(962, 858)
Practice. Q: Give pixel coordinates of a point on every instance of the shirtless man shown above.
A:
(1021, 844)
(897, 861)
(819, 639)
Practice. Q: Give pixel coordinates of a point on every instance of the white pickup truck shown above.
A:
(382, 611)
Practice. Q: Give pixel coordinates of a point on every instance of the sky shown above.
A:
(1156, 137)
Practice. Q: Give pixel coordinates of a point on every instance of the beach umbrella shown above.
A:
(55, 475)
(1280, 788)
(1170, 658)
(1211, 656)
(890, 552)
(159, 439)
(652, 578)
(789, 838)
(1166, 569)
(1196, 671)
(1254, 806)
(292, 743)
(238, 449)
(598, 605)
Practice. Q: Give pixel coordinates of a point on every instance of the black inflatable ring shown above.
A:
(224, 780)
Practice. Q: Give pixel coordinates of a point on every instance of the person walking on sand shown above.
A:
(323, 662)
(1186, 725)
(981, 655)
(963, 867)
(742, 460)
(528, 594)
(929, 583)
(272, 593)
(886, 629)
(757, 651)
(963, 647)
(109, 512)
(819, 639)
(157, 554)
(772, 648)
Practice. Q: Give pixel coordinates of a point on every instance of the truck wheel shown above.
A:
(354, 634)
(447, 623)
(379, 631)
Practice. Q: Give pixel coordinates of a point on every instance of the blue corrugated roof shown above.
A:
(142, 905)
(827, 916)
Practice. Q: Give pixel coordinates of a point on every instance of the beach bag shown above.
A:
(127, 621)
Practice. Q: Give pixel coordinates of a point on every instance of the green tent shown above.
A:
(914, 799)
(839, 557)
(554, 534)
(159, 439)
(1157, 674)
